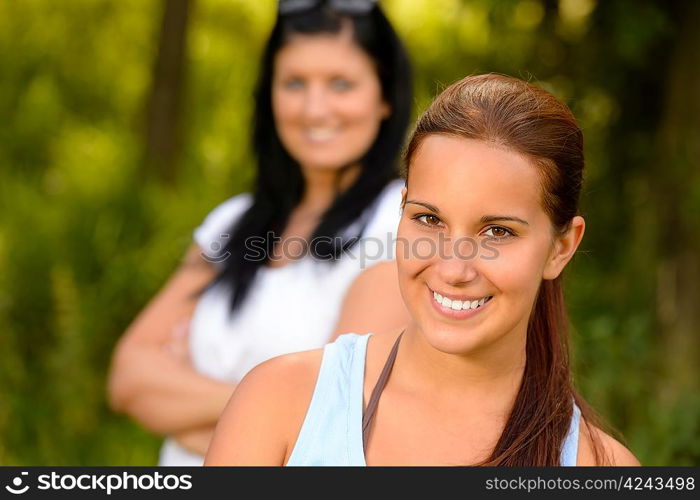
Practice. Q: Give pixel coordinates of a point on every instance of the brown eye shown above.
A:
(428, 220)
(498, 232)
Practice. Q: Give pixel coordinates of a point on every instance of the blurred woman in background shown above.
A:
(268, 271)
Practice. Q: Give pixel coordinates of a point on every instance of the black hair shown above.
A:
(280, 185)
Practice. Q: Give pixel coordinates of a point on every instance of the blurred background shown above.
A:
(124, 123)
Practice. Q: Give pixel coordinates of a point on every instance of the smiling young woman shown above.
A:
(480, 374)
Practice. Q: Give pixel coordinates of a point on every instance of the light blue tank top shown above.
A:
(332, 430)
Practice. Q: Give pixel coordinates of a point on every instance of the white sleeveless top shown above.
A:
(332, 430)
(288, 309)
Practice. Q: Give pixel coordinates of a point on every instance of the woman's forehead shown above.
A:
(454, 173)
(322, 53)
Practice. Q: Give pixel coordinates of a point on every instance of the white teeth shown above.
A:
(320, 134)
(458, 305)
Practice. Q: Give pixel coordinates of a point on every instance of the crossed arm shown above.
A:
(152, 379)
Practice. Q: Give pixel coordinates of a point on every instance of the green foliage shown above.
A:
(85, 241)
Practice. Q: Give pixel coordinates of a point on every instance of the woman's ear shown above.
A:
(385, 110)
(564, 248)
(403, 197)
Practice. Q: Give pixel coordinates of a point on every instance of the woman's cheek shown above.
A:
(513, 268)
(400, 238)
(416, 248)
(404, 238)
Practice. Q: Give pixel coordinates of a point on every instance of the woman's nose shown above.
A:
(458, 261)
(316, 103)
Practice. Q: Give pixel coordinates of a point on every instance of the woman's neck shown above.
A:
(323, 185)
(488, 379)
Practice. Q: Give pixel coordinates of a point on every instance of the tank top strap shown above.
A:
(569, 449)
(377, 392)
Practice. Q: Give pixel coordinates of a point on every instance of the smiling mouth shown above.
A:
(460, 305)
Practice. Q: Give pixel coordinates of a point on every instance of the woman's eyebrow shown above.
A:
(425, 204)
(484, 220)
(498, 218)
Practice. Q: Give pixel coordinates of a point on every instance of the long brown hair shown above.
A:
(521, 117)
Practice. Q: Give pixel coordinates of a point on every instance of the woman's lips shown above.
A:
(452, 313)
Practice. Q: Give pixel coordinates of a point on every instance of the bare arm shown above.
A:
(196, 440)
(156, 387)
(262, 420)
(373, 302)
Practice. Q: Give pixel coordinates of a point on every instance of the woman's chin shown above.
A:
(455, 339)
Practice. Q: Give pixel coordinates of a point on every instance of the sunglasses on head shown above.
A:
(352, 7)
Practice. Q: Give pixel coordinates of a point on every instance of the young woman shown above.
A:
(480, 374)
(332, 106)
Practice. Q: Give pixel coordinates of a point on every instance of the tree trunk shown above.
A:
(677, 181)
(163, 127)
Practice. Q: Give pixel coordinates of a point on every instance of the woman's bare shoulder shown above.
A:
(614, 453)
(263, 417)
(285, 383)
(286, 370)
